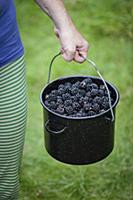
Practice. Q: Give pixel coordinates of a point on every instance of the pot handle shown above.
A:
(51, 131)
(98, 72)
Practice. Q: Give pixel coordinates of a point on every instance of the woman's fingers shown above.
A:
(68, 54)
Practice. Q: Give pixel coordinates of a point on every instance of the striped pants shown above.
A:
(13, 109)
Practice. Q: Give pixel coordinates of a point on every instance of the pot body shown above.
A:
(78, 140)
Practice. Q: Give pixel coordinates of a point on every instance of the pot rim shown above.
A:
(79, 118)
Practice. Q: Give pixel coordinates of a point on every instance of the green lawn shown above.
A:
(107, 26)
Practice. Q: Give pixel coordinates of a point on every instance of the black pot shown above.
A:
(82, 140)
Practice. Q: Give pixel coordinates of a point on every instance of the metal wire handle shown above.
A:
(96, 69)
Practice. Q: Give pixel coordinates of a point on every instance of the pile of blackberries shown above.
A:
(79, 99)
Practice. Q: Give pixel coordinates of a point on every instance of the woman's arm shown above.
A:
(73, 45)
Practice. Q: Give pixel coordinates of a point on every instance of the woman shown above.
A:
(13, 106)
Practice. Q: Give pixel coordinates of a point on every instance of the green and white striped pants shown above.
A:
(13, 109)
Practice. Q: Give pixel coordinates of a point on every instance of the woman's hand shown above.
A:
(73, 45)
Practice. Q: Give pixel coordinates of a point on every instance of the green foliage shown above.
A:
(107, 26)
(103, 17)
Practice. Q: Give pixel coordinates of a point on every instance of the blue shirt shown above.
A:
(11, 46)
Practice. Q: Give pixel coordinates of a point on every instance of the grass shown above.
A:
(107, 26)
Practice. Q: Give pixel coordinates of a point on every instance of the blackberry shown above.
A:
(52, 97)
(87, 107)
(74, 98)
(88, 80)
(74, 91)
(54, 92)
(82, 92)
(67, 89)
(105, 105)
(69, 110)
(82, 85)
(102, 87)
(59, 97)
(94, 92)
(47, 103)
(68, 84)
(98, 100)
(60, 109)
(77, 84)
(59, 101)
(101, 93)
(86, 99)
(53, 105)
(88, 88)
(106, 99)
(76, 106)
(61, 91)
(96, 108)
(88, 94)
(101, 111)
(106, 93)
(90, 100)
(78, 96)
(91, 113)
(68, 102)
(66, 96)
(81, 101)
(79, 114)
(84, 114)
(61, 86)
(94, 86)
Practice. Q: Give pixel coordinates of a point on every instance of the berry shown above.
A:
(74, 98)
(84, 114)
(96, 107)
(59, 101)
(94, 92)
(68, 84)
(78, 96)
(88, 94)
(54, 92)
(82, 92)
(86, 99)
(102, 87)
(98, 100)
(101, 93)
(47, 103)
(52, 97)
(74, 91)
(77, 84)
(53, 105)
(66, 96)
(76, 106)
(81, 101)
(101, 111)
(90, 100)
(60, 109)
(79, 115)
(61, 91)
(83, 85)
(87, 107)
(67, 89)
(91, 113)
(61, 86)
(88, 88)
(94, 86)
(69, 110)
(68, 102)
(88, 80)
(105, 105)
